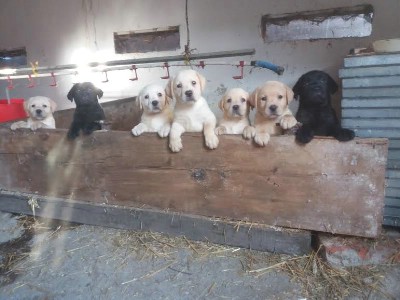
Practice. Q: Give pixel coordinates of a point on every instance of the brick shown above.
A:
(345, 251)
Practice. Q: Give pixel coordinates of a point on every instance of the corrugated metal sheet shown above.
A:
(371, 106)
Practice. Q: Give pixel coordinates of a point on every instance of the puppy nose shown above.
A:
(273, 108)
(154, 103)
(189, 93)
(235, 107)
(38, 111)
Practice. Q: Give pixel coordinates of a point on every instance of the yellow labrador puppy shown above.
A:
(235, 106)
(271, 101)
(192, 113)
(157, 114)
(40, 114)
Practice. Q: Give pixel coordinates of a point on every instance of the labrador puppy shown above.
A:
(314, 90)
(235, 106)
(88, 115)
(157, 114)
(192, 113)
(271, 101)
(40, 114)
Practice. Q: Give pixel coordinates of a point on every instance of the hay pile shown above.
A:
(319, 279)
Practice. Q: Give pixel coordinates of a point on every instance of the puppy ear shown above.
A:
(202, 80)
(253, 98)
(297, 87)
(169, 88)
(99, 93)
(53, 105)
(289, 95)
(221, 103)
(168, 100)
(139, 100)
(26, 106)
(71, 92)
(333, 87)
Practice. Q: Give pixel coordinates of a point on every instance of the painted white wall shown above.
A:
(53, 30)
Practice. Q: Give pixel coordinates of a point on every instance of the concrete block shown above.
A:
(345, 251)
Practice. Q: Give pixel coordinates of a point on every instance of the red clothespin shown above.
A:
(166, 65)
(53, 78)
(105, 77)
(201, 64)
(240, 65)
(31, 82)
(10, 83)
(134, 68)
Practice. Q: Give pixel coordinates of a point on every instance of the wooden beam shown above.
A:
(238, 234)
(324, 186)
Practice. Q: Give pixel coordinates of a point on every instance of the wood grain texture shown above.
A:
(245, 235)
(324, 186)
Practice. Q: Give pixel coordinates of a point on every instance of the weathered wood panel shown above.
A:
(324, 185)
(372, 60)
(238, 234)
(371, 102)
(121, 114)
(369, 71)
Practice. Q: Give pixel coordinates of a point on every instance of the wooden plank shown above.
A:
(122, 114)
(283, 184)
(382, 81)
(393, 193)
(369, 71)
(391, 221)
(371, 92)
(371, 123)
(378, 133)
(372, 60)
(238, 234)
(394, 183)
(371, 113)
(370, 102)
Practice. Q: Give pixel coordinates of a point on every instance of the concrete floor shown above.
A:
(63, 261)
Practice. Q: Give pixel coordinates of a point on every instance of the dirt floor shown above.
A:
(40, 260)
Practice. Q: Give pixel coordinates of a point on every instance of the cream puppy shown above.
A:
(40, 114)
(192, 113)
(157, 114)
(271, 101)
(235, 106)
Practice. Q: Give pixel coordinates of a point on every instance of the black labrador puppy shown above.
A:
(314, 90)
(88, 114)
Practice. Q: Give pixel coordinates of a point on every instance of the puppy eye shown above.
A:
(194, 82)
(146, 97)
(280, 97)
(243, 100)
(179, 85)
(264, 98)
(44, 105)
(159, 94)
(33, 105)
(229, 100)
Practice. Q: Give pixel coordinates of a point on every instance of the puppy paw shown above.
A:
(175, 145)
(35, 126)
(220, 130)
(304, 136)
(212, 141)
(345, 135)
(249, 132)
(164, 131)
(261, 139)
(138, 129)
(14, 126)
(288, 121)
(71, 135)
